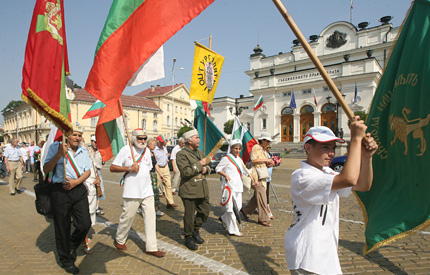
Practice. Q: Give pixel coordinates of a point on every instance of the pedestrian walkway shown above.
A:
(27, 242)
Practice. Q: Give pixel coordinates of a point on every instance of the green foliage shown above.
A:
(75, 86)
(183, 130)
(12, 105)
(228, 126)
(361, 114)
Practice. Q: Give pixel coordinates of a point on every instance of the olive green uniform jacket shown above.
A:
(193, 184)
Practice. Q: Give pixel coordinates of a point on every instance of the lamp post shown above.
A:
(173, 97)
(337, 105)
(237, 110)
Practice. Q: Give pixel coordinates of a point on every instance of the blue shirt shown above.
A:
(12, 154)
(161, 155)
(82, 161)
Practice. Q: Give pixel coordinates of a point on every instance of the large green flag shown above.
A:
(398, 203)
(214, 137)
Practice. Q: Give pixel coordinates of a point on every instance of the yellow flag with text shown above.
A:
(206, 71)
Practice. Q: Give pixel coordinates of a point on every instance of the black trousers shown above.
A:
(65, 205)
(191, 223)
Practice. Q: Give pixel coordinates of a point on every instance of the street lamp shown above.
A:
(337, 104)
(173, 89)
(237, 110)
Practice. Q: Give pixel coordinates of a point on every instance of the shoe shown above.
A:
(190, 244)
(87, 249)
(171, 206)
(99, 212)
(158, 254)
(12, 194)
(18, 191)
(244, 215)
(161, 196)
(240, 234)
(139, 210)
(265, 224)
(120, 246)
(173, 193)
(72, 269)
(73, 253)
(159, 213)
(271, 216)
(197, 238)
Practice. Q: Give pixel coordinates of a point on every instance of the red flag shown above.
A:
(46, 63)
(133, 31)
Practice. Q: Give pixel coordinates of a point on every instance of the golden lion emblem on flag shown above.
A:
(53, 21)
(402, 127)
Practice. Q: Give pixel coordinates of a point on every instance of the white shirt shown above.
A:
(311, 242)
(24, 154)
(230, 169)
(136, 185)
(175, 150)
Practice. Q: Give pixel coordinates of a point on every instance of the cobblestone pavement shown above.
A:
(27, 243)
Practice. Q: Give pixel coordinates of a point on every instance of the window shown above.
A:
(94, 121)
(286, 94)
(307, 91)
(155, 115)
(155, 126)
(168, 120)
(287, 111)
(176, 121)
(307, 109)
(168, 107)
(176, 109)
(326, 89)
(180, 110)
(264, 123)
(248, 125)
(329, 108)
(144, 124)
(185, 110)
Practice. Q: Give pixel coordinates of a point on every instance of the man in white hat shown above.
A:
(311, 241)
(137, 192)
(96, 158)
(69, 195)
(193, 188)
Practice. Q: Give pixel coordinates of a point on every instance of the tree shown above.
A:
(183, 130)
(12, 105)
(228, 126)
(361, 114)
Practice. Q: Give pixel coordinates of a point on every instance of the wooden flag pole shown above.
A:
(206, 114)
(126, 130)
(314, 58)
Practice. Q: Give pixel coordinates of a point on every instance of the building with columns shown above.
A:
(353, 57)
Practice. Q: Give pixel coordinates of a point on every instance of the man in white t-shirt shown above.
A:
(311, 242)
(176, 173)
(24, 155)
(137, 192)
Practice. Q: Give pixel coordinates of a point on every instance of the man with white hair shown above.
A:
(176, 173)
(193, 189)
(14, 163)
(137, 192)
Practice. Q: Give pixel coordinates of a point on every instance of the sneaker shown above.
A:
(99, 212)
(159, 213)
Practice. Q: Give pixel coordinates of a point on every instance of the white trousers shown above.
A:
(129, 208)
(229, 218)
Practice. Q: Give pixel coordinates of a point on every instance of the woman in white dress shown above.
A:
(231, 168)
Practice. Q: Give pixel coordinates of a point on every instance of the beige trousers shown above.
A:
(258, 200)
(129, 208)
(15, 169)
(167, 186)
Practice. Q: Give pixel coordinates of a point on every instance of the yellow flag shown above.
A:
(206, 71)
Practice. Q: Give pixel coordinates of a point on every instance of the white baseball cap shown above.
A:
(321, 134)
(235, 141)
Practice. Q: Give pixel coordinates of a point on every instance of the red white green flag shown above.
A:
(315, 98)
(108, 135)
(46, 64)
(94, 110)
(133, 32)
(248, 141)
(259, 103)
(200, 104)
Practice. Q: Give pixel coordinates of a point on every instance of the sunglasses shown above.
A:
(142, 138)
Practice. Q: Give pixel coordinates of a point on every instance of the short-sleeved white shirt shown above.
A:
(311, 242)
(24, 154)
(230, 169)
(136, 185)
(175, 150)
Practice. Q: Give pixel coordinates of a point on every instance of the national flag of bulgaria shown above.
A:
(214, 137)
(248, 141)
(134, 30)
(259, 103)
(94, 110)
(108, 134)
(200, 104)
(206, 72)
(46, 64)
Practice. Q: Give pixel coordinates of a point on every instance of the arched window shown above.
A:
(155, 126)
(307, 109)
(176, 121)
(144, 124)
(329, 108)
(168, 120)
(287, 111)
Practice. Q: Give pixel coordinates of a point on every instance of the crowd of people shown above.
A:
(315, 190)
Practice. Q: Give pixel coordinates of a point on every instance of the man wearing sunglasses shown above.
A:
(137, 192)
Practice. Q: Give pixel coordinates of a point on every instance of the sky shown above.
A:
(236, 26)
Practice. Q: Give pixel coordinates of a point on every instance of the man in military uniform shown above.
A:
(193, 188)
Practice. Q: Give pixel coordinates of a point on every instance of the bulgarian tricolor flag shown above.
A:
(315, 99)
(133, 32)
(200, 104)
(248, 141)
(95, 110)
(108, 135)
(46, 64)
(259, 103)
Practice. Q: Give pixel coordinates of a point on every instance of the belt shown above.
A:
(198, 177)
(13, 160)
(162, 166)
